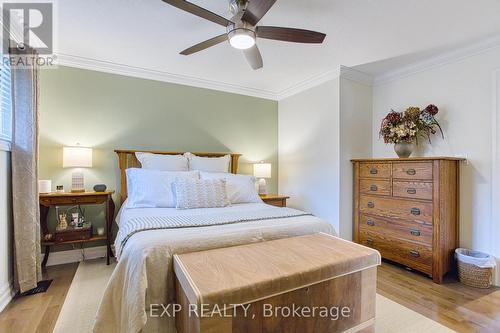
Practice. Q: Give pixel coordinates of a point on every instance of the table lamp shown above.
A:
(77, 157)
(262, 171)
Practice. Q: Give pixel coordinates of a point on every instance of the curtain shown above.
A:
(27, 252)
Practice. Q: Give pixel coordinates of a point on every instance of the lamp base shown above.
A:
(262, 187)
(77, 182)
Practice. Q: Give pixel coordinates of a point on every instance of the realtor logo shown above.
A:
(27, 25)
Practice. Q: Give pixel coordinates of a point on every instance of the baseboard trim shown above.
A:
(66, 257)
(6, 294)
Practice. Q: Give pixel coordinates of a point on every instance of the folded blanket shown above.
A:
(145, 223)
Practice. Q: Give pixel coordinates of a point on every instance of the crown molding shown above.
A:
(308, 83)
(145, 73)
(442, 59)
(356, 76)
(150, 74)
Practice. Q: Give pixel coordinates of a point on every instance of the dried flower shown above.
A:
(432, 109)
(427, 118)
(409, 125)
(412, 113)
(393, 117)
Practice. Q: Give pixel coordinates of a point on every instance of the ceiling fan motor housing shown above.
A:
(237, 7)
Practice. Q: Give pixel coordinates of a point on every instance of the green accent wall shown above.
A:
(107, 111)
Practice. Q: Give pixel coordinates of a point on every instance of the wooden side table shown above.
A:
(69, 199)
(275, 199)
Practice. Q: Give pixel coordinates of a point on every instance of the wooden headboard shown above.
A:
(127, 159)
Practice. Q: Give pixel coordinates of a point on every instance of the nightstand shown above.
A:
(275, 199)
(71, 199)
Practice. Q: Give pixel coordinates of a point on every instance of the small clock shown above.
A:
(100, 188)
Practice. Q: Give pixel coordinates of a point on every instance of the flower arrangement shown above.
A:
(407, 126)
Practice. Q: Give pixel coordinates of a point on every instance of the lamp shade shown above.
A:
(77, 157)
(262, 170)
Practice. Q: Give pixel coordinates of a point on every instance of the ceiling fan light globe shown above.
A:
(241, 39)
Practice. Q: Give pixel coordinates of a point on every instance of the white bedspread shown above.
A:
(144, 273)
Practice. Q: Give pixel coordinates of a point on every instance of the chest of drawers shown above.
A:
(407, 209)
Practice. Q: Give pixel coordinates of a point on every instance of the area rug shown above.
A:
(87, 288)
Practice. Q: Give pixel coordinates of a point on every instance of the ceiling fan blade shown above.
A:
(256, 9)
(205, 45)
(199, 11)
(290, 34)
(253, 57)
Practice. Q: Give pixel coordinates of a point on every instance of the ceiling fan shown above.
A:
(242, 30)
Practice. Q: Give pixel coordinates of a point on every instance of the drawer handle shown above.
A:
(415, 232)
(373, 188)
(411, 172)
(414, 253)
(370, 222)
(369, 241)
(371, 204)
(373, 171)
(415, 211)
(411, 190)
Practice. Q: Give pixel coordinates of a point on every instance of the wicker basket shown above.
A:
(475, 276)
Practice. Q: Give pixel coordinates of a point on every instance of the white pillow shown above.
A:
(153, 188)
(240, 188)
(208, 164)
(192, 193)
(163, 162)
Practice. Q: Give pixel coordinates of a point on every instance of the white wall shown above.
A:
(5, 230)
(308, 136)
(355, 142)
(320, 130)
(464, 90)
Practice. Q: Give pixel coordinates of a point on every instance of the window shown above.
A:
(5, 102)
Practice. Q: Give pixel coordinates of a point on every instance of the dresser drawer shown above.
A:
(412, 170)
(375, 186)
(375, 170)
(420, 212)
(404, 230)
(409, 254)
(414, 190)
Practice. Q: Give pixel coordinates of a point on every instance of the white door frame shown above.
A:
(495, 172)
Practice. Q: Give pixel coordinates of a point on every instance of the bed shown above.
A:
(144, 273)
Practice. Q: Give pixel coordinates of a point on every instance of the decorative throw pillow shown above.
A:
(240, 188)
(153, 188)
(163, 162)
(207, 193)
(208, 164)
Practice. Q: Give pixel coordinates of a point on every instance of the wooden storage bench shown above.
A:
(313, 283)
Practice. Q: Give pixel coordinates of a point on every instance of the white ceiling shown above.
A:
(149, 34)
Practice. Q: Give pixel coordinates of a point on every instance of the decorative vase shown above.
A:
(404, 149)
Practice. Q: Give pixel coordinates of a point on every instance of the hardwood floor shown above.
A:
(38, 313)
(452, 304)
(461, 308)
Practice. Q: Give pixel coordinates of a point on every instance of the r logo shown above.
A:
(27, 24)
